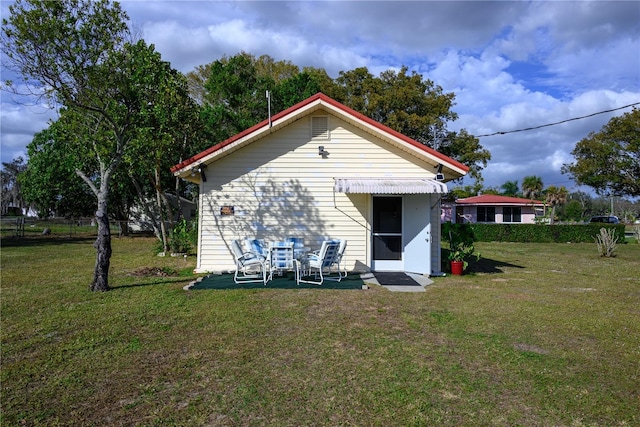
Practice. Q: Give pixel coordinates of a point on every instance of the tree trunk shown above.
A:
(179, 199)
(165, 240)
(102, 244)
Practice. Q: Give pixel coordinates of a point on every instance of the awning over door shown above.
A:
(390, 186)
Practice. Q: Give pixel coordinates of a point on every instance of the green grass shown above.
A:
(537, 334)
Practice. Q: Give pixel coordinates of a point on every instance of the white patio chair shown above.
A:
(317, 266)
(341, 249)
(281, 256)
(250, 266)
(343, 246)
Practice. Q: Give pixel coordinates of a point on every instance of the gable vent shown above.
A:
(320, 127)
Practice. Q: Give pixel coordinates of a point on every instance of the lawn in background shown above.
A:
(537, 334)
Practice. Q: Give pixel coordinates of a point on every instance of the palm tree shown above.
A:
(532, 187)
(556, 196)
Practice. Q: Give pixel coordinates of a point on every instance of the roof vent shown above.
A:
(320, 127)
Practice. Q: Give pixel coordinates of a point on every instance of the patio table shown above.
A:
(281, 256)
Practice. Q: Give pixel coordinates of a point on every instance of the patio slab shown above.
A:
(286, 281)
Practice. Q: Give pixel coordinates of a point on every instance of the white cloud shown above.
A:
(19, 124)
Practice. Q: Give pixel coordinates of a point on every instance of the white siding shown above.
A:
(280, 186)
(436, 234)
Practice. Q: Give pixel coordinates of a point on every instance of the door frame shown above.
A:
(383, 264)
(415, 235)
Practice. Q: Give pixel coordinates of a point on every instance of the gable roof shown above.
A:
(310, 105)
(494, 199)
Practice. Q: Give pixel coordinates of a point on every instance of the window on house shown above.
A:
(511, 214)
(320, 127)
(486, 214)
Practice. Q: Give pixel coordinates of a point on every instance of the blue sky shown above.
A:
(512, 65)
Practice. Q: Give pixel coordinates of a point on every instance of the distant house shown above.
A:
(139, 219)
(491, 208)
(321, 170)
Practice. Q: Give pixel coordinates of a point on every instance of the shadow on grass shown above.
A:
(158, 281)
(225, 281)
(483, 265)
(486, 265)
(13, 241)
(60, 239)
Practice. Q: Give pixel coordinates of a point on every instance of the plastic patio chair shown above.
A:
(281, 256)
(317, 266)
(250, 266)
(343, 246)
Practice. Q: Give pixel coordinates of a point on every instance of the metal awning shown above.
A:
(390, 186)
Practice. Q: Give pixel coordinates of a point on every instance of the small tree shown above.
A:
(555, 196)
(461, 242)
(79, 53)
(62, 49)
(606, 242)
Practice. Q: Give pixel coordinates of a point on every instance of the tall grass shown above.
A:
(537, 334)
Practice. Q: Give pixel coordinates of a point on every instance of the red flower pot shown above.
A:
(457, 267)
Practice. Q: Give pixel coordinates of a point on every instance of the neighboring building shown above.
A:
(139, 220)
(490, 208)
(321, 170)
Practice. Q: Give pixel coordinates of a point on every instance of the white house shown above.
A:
(491, 208)
(321, 170)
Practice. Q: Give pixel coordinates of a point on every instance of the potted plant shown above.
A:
(461, 247)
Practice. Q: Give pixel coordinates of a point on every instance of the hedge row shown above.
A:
(536, 233)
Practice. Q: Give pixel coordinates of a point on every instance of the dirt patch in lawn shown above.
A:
(154, 272)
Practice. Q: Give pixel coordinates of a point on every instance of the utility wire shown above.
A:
(556, 123)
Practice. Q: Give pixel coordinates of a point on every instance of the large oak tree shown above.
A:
(609, 160)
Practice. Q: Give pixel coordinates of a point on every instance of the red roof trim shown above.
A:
(497, 200)
(387, 129)
(323, 98)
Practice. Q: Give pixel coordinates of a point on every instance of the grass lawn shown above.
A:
(538, 334)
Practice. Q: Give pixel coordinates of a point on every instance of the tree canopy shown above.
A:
(50, 181)
(232, 92)
(609, 160)
(532, 187)
(510, 188)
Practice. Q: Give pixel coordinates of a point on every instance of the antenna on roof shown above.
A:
(268, 95)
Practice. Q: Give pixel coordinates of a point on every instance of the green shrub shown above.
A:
(606, 242)
(184, 236)
(542, 233)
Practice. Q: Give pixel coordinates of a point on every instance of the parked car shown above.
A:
(608, 219)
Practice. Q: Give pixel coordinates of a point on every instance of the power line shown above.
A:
(556, 123)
